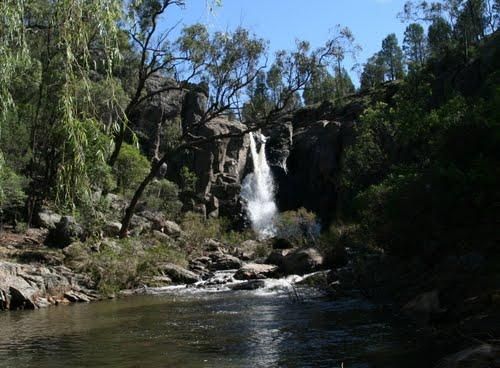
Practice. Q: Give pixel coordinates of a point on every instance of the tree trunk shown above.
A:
(137, 195)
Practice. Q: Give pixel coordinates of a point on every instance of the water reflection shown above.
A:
(231, 329)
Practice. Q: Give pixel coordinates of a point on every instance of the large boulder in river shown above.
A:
(302, 261)
(220, 262)
(178, 274)
(253, 271)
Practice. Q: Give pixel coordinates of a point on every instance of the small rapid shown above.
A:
(258, 191)
(224, 281)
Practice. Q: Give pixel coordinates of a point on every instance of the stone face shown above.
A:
(313, 166)
(27, 286)
(253, 271)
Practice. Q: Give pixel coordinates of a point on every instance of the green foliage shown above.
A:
(188, 180)
(12, 194)
(370, 159)
(373, 72)
(392, 56)
(430, 188)
(198, 228)
(118, 265)
(163, 195)
(300, 227)
(415, 46)
(130, 168)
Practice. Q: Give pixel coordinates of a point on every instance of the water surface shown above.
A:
(225, 329)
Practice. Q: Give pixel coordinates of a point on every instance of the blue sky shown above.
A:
(282, 21)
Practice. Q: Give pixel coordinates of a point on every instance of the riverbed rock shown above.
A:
(277, 257)
(480, 356)
(178, 274)
(302, 261)
(253, 271)
(423, 306)
(221, 261)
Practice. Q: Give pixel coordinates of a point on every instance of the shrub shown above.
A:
(122, 264)
(188, 180)
(198, 228)
(163, 195)
(12, 195)
(300, 227)
(130, 169)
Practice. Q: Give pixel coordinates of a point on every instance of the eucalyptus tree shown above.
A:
(392, 56)
(439, 37)
(373, 72)
(415, 46)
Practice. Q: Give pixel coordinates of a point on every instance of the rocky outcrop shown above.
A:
(313, 165)
(66, 231)
(26, 286)
(155, 116)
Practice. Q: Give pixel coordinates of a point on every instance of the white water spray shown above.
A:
(258, 192)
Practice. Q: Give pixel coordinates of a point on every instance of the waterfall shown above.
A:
(258, 191)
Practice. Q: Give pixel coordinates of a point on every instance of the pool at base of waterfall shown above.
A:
(186, 328)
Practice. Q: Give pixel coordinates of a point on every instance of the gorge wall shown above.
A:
(304, 151)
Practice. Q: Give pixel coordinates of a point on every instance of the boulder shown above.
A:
(302, 261)
(139, 225)
(48, 218)
(248, 285)
(178, 274)
(277, 257)
(220, 261)
(480, 356)
(253, 271)
(67, 231)
(112, 228)
(282, 243)
(423, 306)
(172, 229)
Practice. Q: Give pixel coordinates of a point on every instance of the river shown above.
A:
(182, 328)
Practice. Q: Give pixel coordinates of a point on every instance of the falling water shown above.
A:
(258, 192)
